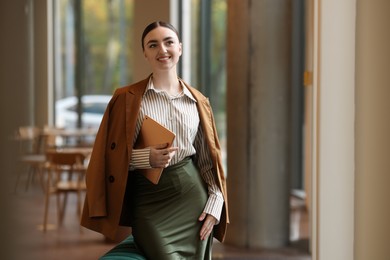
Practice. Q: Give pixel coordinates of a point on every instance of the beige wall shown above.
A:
(372, 219)
(14, 109)
(333, 161)
(351, 142)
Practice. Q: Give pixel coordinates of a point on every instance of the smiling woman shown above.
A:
(178, 217)
(162, 49)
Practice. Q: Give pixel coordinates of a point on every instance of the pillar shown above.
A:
(145, 12)
(14, 111)
(258, 100)
(372, 128)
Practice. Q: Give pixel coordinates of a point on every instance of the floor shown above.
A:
(69, 242)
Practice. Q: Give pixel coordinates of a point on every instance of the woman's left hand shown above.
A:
(208, 225)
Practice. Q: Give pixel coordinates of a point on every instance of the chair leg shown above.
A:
(17, 181)
(78, 203)
(59, 208)
(79, 209)
(18, 178)
(30, 177)
(38, 173)
(63, 207)
(41, 179)
(31, 172)
(45, 216)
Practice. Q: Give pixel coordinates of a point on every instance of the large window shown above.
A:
(94, 34)
(208, 57)
(93, 53)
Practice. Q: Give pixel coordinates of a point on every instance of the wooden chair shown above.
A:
(31, 153)
(65, 174)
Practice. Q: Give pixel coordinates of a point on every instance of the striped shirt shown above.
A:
(180, 115)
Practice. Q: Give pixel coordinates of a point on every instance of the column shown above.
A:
(258, 100)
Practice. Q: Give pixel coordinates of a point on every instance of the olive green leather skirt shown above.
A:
(166, 224)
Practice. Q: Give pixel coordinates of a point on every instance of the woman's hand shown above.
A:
(160, 155)
(208, 225)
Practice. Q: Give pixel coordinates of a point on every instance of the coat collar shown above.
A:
(133, 104)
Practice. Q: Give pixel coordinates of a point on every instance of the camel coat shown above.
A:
(108, 187)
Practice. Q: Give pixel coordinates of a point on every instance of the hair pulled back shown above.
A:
(154, 25)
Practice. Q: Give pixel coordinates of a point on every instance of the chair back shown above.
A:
(64, 165)
(58, 158)
(65, 173)
(28, 132)
(30, 135)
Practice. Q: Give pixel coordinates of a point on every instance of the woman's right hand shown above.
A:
(161, 155)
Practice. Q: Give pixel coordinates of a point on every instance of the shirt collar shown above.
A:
(186, 92)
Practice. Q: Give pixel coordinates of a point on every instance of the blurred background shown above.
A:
(299, 89)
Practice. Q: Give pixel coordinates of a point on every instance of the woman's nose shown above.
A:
(163, 48)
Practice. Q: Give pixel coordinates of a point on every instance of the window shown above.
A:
(105, 28)
(208, 57)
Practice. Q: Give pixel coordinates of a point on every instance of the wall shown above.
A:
(372, 228)
(352, 131)
(14, 110)
(333, 161)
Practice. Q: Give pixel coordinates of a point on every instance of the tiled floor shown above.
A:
(67, 242)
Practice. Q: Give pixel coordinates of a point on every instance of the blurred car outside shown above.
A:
(93, 107)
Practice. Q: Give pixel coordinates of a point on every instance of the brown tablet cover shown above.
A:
(153, 133)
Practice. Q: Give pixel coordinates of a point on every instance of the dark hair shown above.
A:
(154, 25)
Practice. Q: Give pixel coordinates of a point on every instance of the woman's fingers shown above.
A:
(207, 226)
(170, 152)
(160, 156)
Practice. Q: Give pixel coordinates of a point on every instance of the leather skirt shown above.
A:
(165, 216)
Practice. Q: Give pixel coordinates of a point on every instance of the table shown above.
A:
(85, 151)
(70, 137)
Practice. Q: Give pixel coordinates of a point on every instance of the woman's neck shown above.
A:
(167, 82)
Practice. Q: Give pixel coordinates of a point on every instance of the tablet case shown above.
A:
(153, 133)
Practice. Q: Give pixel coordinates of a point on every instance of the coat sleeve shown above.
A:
(96, 172)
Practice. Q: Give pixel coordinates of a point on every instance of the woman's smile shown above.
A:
(164, 58)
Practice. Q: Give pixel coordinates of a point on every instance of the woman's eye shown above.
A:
(152, 46)
(169, 43)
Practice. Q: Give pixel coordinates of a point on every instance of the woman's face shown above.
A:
(162, 48)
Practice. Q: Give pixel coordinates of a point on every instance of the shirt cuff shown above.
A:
(140, 159)
(214, 206)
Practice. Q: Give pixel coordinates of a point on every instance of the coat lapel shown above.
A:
(206, 117)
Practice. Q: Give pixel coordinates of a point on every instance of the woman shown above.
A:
(176, 218)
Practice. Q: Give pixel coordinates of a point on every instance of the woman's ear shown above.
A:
(180, 48)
